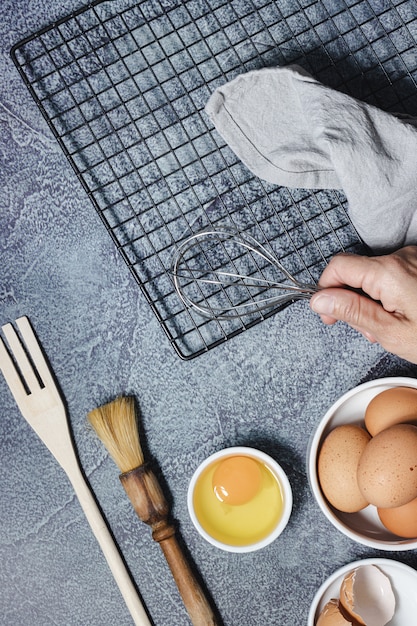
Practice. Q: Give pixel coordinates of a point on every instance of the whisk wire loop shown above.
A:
(192, 270)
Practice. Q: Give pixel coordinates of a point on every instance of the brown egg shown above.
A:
(331, 615)
(397, 405)
(387, 469)
(337, 467)
(401, 520)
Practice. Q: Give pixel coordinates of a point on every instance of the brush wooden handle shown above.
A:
(145, 493)
(192, 595)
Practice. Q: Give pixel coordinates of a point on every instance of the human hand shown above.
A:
(386, 311)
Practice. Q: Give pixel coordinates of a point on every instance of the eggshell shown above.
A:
(367, 597)
(387, 469)
(397, 405)
(347, 596)
(401, 520)
(337, 467)
(331, 615)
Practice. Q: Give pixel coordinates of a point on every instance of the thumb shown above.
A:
(360, 312)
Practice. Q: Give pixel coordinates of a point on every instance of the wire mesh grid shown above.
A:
(123, 86)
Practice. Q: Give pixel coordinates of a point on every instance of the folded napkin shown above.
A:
(291, 130)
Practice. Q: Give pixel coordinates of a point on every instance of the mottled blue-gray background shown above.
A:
(268, 388)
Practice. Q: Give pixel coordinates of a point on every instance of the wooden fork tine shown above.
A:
(21, 358)
(35, 352)
(11, 376)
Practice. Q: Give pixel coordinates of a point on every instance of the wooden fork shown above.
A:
(32, 384)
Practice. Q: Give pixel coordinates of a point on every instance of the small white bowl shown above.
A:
(281, 478)
(365, 526)
(403, 580)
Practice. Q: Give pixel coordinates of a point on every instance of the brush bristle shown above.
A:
(115, 424)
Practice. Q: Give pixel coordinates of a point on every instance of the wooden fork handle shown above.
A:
(109, 548)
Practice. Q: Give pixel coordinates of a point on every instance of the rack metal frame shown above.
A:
(123, 84)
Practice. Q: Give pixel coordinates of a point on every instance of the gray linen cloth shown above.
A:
(291, 130)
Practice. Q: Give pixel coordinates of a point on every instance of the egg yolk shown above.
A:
(237, 480)
(252, 507)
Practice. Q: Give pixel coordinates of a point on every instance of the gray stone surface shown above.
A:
(267, 388)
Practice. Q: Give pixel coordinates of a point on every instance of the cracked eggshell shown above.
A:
(331, 615)
(387, 469)
(367, 596)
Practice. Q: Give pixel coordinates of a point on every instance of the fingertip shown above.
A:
(323, 304)
(316, 308)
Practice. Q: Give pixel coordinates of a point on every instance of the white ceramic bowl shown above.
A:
(364, 526)
(279, 474)
(403, 580)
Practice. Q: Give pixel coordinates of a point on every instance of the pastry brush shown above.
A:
(116, 425)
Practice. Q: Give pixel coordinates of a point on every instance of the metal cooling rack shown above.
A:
(123, 85)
